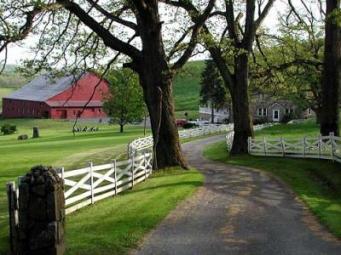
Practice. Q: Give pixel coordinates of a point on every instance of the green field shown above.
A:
(57, 147)
(187, 88)
(316, 182)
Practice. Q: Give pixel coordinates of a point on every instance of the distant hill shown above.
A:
(187, 88)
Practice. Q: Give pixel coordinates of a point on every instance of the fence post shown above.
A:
(264, 143)
(91, 182)
(132, 169)
(62, 170)
(331, 138)
(248, 144)
(13, 216)
(145, 165)
(115, 176)
(282, 146)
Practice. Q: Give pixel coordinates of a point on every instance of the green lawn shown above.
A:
(316, 182)
(299, 130)
(113, 226)
(57, 147)
(187, 88)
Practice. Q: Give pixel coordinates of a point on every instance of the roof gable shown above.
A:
(43, 87)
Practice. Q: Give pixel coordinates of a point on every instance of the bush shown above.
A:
(286, 118)
(260, 121)
(8, 129)
(22, 137)
(189, 125)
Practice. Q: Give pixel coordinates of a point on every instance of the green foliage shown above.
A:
(212, 88)
(8, 129)
(125, 103)
(290, 66)
(189, 125)
(286, 118)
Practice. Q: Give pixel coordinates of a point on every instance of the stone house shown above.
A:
(262, 108)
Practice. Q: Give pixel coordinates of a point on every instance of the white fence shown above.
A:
(230, 134)
(88, 185)
(322, 147)
(141, 144)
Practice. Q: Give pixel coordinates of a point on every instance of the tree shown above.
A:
(212, 90)
(125, 102)
(290, 63)
(231, 51)
(91, 31)
(332, 67)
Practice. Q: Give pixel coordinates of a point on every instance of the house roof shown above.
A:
(73, 103)
(43, 87)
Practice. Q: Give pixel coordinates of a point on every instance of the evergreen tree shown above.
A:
(212, 90)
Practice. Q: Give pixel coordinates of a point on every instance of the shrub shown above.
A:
(260, 121)
(8, 129)
(22, 137)
(286, 118)
(189, 125)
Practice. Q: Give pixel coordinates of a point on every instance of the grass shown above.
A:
(298, 130)
(111, 226)
(187, 88)
(116, 225)
(317, 183)
(57, 147)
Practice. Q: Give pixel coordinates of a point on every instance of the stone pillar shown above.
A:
(41, 213)
(35, 132)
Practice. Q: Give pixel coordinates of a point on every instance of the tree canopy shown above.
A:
(125, 102)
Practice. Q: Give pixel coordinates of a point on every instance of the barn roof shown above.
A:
(43, 87)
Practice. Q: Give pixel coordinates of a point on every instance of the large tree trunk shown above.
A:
(162, 117)
(240, 106)
(331, 74)
(156, 80)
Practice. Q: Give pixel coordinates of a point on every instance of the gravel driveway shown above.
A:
(237, 211)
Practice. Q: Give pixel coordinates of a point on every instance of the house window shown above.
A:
(265, 112)
(259, 111)
(289, 110)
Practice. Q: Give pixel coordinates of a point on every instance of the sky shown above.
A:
(21, 50)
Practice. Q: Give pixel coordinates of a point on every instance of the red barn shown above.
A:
(58, 98)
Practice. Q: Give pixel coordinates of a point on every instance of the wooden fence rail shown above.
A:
(230, 133)
(141, 144)
(321, 147)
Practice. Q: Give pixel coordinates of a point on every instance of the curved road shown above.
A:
(237, 211)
